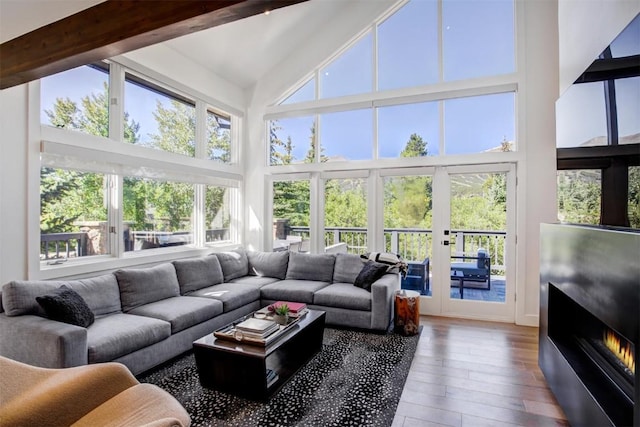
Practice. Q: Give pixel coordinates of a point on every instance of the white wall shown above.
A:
(13, 183)
(585, 29)
(537, 173)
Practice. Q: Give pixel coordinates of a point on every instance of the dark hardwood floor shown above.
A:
(472, 373)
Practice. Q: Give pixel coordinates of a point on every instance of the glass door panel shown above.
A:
(478, 242)
(478, 236)
(408, 225)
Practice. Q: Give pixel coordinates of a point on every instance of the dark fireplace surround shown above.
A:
(590, 288)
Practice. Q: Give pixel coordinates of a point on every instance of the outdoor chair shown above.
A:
(417, 278)
(478, 269)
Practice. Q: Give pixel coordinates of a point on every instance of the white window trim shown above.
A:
(75, 150)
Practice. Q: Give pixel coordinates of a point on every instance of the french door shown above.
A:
(462, 232)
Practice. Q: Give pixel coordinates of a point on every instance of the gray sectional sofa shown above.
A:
(145, 316)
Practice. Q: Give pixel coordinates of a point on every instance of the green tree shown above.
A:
(176, 128)
(579, 196)
(634, 196)
(415, 147)
(67, 196)
(56, 185)
(218, 139)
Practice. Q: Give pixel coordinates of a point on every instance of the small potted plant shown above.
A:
(281, 314)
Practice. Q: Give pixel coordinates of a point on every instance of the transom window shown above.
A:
(393, 86)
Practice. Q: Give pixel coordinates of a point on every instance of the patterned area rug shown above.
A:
(355, 380)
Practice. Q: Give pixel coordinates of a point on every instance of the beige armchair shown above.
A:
(105, 394)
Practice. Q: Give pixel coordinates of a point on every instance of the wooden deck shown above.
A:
(473, 373)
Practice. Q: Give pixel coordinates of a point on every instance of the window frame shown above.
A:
(116, 158)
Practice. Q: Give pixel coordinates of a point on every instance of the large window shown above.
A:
(579, 196)
(598, 131)
(346, 135)
(345, 214)
(119, 201)
(292, 141)
(73, 214)
(291, 215)
(164, 120)
(408, 216)
(478, 38)
(409, 130)
(77, 100)
(480, 124)
(158, 213)
(218, 213)
(399, 82)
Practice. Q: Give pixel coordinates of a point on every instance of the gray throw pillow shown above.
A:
(66, 305)
(268, 264)
(234, 263)
(145, 285)
(318, 267)
(198, 273)
(347, 268)
(371, 272)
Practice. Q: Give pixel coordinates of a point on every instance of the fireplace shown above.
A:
(589, 322)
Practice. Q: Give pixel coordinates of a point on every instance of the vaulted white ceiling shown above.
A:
(240, 52)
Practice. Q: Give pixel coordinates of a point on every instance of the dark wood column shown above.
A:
(615, 194)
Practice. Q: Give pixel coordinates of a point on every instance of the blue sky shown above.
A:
(77, 83)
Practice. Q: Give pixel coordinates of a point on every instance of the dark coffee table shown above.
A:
(241, 369)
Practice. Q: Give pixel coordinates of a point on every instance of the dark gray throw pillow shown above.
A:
(66, 305)
(371, 272)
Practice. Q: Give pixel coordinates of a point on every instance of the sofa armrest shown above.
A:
(42, 342)
(382, 292)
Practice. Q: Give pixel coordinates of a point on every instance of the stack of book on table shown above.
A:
(296, 309)
(257, 328)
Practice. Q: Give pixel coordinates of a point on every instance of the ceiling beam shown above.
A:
(115, 27)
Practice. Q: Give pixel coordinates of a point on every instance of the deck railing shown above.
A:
(415, 244)
(52, 245)
(76, 244)
(412, 244)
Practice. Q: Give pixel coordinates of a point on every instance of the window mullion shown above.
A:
(201, 130)
(113, 193)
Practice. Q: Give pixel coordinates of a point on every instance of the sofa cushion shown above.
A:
(66, 305)
(255, 281)
(181, 312)
(269, 264)
(231, 295)
(198, 273)
(292, 290)
(119, 334)
(234, 263)
(371, 272)
(343, 295)
(139, 286)
(315, 267)
(347, 268)
(101, 294)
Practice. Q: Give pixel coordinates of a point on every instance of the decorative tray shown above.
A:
(230, 333)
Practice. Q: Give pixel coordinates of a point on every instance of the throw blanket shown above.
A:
(394, 261)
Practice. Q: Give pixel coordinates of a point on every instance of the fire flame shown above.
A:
(623, 352)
